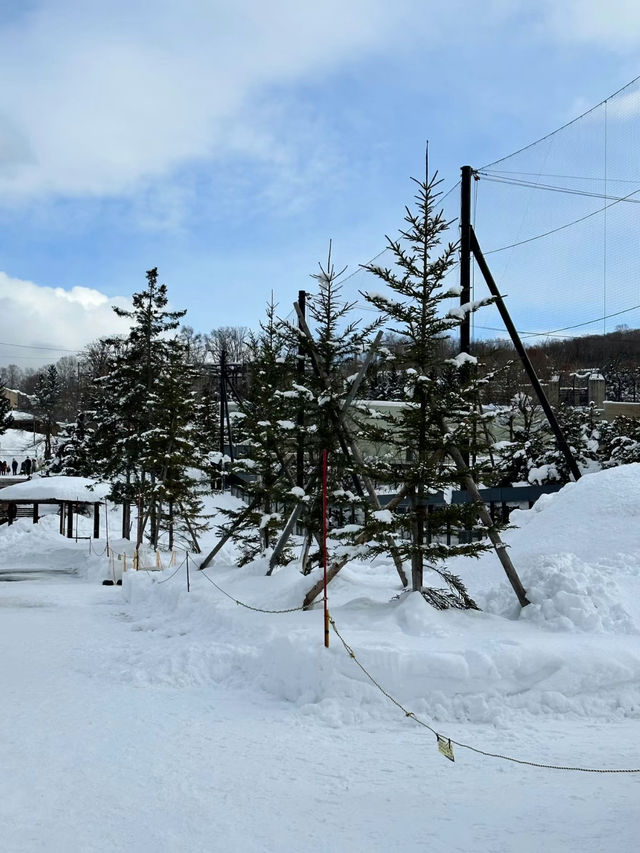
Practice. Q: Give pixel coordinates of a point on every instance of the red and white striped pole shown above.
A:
(324, 546)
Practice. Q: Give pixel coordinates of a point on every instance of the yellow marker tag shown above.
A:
(444, 746)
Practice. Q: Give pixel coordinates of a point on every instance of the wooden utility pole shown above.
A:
(465, 254)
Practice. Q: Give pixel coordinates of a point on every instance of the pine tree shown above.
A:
(526, 441)
(531, 455)
(70, 458)
(439, 411)
(141, 439)
(618, 441)
(206, 417)
(47, 396)
(6, 418)
(338, 344)
(580, 429)
(172, 455)
(267, 431)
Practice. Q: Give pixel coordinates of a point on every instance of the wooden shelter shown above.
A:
(70, 494)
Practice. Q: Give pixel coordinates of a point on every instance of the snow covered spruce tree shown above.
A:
(526, 438)
(530, 453)
(580, 429)
(70, 457)
(334, 342)
(6, 418)
(141, 439)
(290, 419)
(435, 424)
(206, 420)
(267, 431)
(619, 441)
(47, 397)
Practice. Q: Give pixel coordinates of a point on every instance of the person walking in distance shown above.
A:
(27, 467)
(14, 466)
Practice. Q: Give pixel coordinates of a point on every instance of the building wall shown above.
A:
(612, 409)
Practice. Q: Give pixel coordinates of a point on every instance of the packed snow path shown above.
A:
(95, 757)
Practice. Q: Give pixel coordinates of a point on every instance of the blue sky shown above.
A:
(226, 143)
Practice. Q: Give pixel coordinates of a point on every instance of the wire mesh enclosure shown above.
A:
(558, 222)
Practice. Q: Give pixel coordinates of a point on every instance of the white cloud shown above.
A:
(65, 320)
(99, 96)
(614, 24)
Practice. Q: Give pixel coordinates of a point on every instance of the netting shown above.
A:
(358, 281)
(558, 222)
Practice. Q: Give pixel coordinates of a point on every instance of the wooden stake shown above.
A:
(483, 514)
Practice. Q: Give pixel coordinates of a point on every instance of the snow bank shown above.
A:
(577, 554)
(573, 653)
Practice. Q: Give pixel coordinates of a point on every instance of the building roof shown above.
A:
(81, 489)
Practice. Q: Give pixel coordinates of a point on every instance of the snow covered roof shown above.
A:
(56, 489)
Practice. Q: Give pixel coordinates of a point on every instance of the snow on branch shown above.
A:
(461, 311)
(463, 358)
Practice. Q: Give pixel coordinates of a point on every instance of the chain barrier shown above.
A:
(243, 604)
(93, 551)
(446, 743)
(171, 576)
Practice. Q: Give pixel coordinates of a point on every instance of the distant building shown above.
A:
(587, 386)
(18, 399)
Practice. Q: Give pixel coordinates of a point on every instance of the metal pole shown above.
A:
(324, 547)
(106, 524)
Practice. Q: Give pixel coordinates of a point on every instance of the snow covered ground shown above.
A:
(19, 444)
(152, 718)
